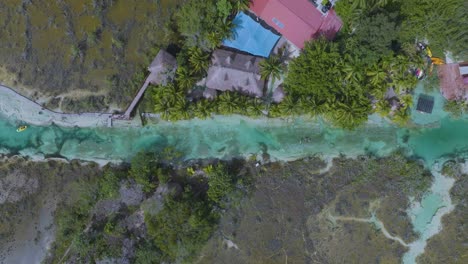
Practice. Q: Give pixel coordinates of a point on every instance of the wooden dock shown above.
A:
(136, 99)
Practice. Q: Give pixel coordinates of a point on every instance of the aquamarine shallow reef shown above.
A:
(234, 136)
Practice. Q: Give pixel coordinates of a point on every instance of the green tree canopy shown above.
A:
(204, 23)
(182, 227)
(220, 182)
(443, 23)
(326, 81)
(374, 37)
(317, 71)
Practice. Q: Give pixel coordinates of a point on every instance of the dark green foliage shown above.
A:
(374, 52)
(316, 72)
(351, 11)
(172, 104)
(272, 67)
(175, 232)
(220, 183)
(317, 76)
(198, 59)
(456, 108)
(147, 253)
(335, 80)
(109, 185)
(442, 23)
(204, 23)
(182, 227)
(144, 170)
(72, 218)
(373, 37)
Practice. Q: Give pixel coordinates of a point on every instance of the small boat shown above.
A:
(21, 129)
(437, 61)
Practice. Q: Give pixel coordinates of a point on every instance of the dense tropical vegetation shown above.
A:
(368, 68)
(180, 209)
(92, 39)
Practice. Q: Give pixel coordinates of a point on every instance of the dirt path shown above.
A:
(379, 225)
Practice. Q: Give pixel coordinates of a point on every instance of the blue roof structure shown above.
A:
(251, 37)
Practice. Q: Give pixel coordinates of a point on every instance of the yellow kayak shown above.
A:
(21, 129)
(429, 52)
(437, 61)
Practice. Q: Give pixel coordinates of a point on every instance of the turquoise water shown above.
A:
(426, 215)
(222, 137)
(450, 139)
(438, 112)
(234, 136)
(423, 214)
(227, 137)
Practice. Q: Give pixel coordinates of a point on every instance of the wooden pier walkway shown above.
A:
(137, 98)
(163, 66)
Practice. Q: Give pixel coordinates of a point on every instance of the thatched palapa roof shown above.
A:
(231, 71)
(162, 68)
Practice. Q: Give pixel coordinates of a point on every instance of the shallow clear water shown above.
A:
(221, 137)
(227, 137)
(424, 213)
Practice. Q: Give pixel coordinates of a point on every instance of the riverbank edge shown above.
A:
(18, 107)
(21, 109)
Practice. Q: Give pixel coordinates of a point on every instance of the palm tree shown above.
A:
(404, 83)
(227, 103)
(270, 70)
(378, 93)
(180, 110)
(352, 73)
(225, 30)
(376, 75)
(184, 78)
(199, 60)
(242, 102)
(255, 107)
(308, 106)
(382, 107)
(360, 4)
(274, 110)
(288, 107)
(401, 117)
(407, 101)
(401, 64)
(164, 98)
(350, 115)
(164, 101)
(241, 5)
(369, 4)
(202, 109)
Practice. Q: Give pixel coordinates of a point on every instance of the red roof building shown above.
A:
(297, 20)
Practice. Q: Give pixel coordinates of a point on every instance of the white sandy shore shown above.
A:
(18, 107)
